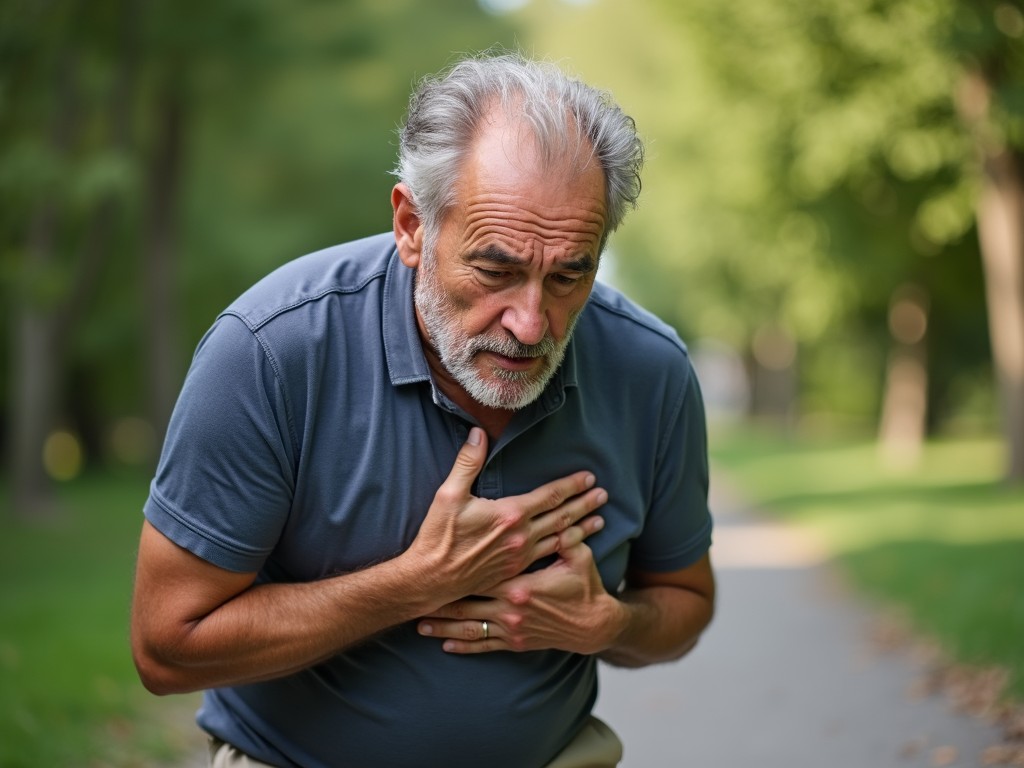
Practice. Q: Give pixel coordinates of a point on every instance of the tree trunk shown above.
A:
(773, 377)
(905, 400)
(97, 243)
(1000, 219)
(35, 367)
(1001, 234)
(160, 250)
(34, 394)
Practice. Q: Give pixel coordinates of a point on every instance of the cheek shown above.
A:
(563, 315)
(476, 314)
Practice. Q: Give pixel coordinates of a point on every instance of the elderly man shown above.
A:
(416, 485)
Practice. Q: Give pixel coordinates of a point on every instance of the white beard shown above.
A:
(509, 390)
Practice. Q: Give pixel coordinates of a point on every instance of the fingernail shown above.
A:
(598, 523)
(474, 436)
(590, 480)
(602, 496)
(449, 647)
(426, 629)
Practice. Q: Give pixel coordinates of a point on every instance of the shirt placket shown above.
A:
(488, 483)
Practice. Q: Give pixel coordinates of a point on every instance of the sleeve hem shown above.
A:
(186, 534)
(687, 555)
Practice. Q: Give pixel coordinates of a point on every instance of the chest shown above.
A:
(367, 476)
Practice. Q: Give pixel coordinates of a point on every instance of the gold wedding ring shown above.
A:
(485, 629)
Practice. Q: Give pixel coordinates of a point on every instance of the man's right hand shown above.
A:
(468, 544)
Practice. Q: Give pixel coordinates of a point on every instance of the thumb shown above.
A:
(468, 463)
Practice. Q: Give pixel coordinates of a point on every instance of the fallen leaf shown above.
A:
(1004, 754)
(912, 749)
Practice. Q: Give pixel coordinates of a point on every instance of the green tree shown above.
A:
(809, 161)
(64, 170)
(156, 158)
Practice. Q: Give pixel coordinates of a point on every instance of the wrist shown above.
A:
(617, 621)
(417, 580)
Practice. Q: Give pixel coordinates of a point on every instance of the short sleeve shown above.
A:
(677, 532)
(225, 480)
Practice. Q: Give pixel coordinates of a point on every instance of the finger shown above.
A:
(462, 610)
(461, 647)
(576, 534)
(468, 631)
(552, 495)
(467, 466)
(564, 529)
(569, 513)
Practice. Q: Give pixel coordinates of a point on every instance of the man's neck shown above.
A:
(492, 420)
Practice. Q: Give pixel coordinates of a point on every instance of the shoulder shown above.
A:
(349, 268)
(619, 330)
(624, 354)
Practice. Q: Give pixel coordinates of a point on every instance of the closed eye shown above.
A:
(567, 279)
(564, 283)
(492, 273)
(491, 277)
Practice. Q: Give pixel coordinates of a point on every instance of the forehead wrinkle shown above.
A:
(535, 226)
(573, 241)
(577, 225)
(515, 204)
(498, 255)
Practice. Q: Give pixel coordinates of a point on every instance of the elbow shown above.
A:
(684, 649)
(154, 683)
(161, 680)
(157, 675)
(638, 659)
(157, 678)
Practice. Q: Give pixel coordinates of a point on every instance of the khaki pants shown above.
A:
(596, 746)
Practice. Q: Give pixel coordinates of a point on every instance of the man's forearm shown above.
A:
(271, 630)
(661, 623)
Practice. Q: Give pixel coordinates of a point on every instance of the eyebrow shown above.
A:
(495, 255)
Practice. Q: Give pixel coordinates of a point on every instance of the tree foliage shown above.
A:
(158, 157)
(810, 160)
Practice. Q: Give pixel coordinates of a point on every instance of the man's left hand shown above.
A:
(563, 606)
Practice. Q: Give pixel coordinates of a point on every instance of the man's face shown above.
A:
(500, 291)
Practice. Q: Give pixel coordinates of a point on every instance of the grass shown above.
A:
(944, 541)
(69, 695)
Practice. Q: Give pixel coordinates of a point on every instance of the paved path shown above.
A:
(785, 676)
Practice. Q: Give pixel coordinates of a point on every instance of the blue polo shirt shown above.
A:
(309, 440)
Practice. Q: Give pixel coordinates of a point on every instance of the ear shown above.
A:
(407, 226)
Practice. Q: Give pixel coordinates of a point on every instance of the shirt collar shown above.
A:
(402, 346)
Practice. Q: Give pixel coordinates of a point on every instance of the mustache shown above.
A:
(511, 347)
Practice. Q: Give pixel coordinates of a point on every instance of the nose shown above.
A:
(526, 316)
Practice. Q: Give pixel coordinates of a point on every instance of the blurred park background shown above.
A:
(832, 217)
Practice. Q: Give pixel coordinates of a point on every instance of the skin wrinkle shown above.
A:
(501, 228)
(512, 202)
(546, 228)
(494, 255)
(537, 227)
(486, 223)
(491, 203)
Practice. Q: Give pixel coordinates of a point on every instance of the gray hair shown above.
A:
(444, 112)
